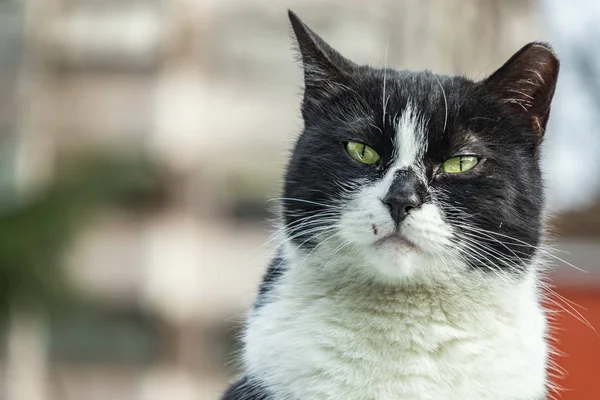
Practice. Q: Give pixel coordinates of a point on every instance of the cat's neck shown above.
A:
(314, 329)
(343, 280)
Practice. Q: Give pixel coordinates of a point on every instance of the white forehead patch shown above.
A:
(410, 138)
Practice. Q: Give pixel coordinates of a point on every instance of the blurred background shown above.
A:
(141, 139)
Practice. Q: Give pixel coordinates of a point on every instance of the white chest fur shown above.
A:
(318, 341)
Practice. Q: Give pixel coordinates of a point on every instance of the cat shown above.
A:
(413, 217)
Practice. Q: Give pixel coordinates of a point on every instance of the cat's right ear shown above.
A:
(324, 68)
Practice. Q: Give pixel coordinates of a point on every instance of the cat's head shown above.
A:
(408, 173)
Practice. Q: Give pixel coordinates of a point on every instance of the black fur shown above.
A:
(274, 272)
(245, 389)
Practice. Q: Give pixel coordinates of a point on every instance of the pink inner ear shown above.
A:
(536, 126)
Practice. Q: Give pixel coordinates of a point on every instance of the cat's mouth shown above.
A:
(396, 239)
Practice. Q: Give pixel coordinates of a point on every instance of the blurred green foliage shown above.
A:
(34, 231)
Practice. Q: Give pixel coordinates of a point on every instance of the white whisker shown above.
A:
(445, 101)
(385, 99)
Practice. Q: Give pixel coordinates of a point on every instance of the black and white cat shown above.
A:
(413, 216)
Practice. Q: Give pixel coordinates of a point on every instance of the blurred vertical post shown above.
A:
(26, 363)
(27, 336)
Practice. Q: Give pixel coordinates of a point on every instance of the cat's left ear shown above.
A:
(526, 83)
(324, 67)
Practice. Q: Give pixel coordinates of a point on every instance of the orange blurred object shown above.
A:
(580, 345)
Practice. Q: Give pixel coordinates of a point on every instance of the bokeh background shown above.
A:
(140, 142)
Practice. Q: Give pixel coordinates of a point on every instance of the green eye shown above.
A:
(362, 153)
(458, 164)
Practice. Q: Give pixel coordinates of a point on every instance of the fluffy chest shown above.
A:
(397, 347)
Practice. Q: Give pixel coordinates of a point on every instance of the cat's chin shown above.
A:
(397, 258)
(396, 242)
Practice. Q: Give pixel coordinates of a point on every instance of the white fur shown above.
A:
(323, 336)
(410, 138)
(356, 319)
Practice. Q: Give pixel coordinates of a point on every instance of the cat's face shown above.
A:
(412, 172)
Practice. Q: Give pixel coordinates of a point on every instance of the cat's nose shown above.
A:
(405, 194)
(400, 206)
